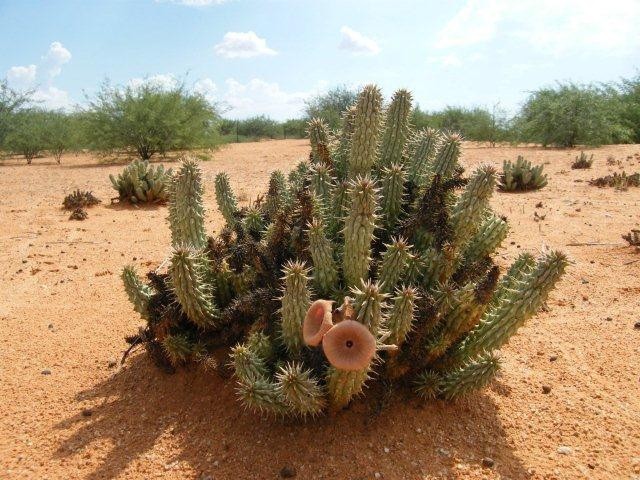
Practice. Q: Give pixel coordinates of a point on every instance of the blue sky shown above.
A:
(267, 56)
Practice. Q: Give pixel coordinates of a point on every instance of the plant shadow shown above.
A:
(198, 415)
(116, 205)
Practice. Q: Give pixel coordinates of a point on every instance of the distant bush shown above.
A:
(58, 133)
(330, 105)
(11, 101)
(294, 128)
(260, 127)
(630, 110)
(27, 133)
(476, 124)
(149, 119)
(521, 176)
(572, 114)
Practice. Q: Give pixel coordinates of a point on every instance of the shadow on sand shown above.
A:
(196, 415)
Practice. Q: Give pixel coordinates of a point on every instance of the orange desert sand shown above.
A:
(63, 310)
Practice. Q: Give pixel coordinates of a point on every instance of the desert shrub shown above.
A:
(260, 126)
(363, 267)
(27, 134)
(294, 128)
(633, 237)
(142, 182)
(620, 181)
(630, 101)
(79, 199)
(582, 161)
(572, 114)
(58, 133)
(11, 101)
(330, 105)
(476, 124)
(521, 176)
(149, 119)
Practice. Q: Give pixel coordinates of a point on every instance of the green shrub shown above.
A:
(330, 105)
(149, 120)
(141, 182)
(521, 176)
(11, 101)
(27, 134)
(476, 124)
(571, 114)
(410, 295)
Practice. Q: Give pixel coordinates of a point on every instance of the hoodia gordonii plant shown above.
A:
(370, 267)
(141, 182)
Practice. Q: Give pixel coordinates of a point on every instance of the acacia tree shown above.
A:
(27, 133)
(149, 119)
(330, 105)
(11, 101)
(630, 98)
(58, 133)
(572, 114)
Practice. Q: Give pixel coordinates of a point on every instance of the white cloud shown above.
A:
(554, 27)
(195, 3)
(446, 60)
(21, 76)
(242, 45)
(33, 76)
(52, 97)
(165, 81)
(258, 97)
(357, 43)
(57, 56)
(207, 88)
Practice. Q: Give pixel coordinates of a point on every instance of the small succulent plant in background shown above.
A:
(582, 161)
(521, 176)
(142, 182)
(369, 264)
(633, 237)
(78, 214)
(79, 199)
(619, 181)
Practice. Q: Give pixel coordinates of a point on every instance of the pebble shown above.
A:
(46, 371)
(443, 452)
(206, 477)
(377, 475)
(546, 389)
(288, 472)
(386, 450)
(487, 462)
(636, 325)
(608, 319)
(112, 363)
(553, 358)
(86, 412)
(564, 450)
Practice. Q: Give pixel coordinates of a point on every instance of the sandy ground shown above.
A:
(63, 310)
